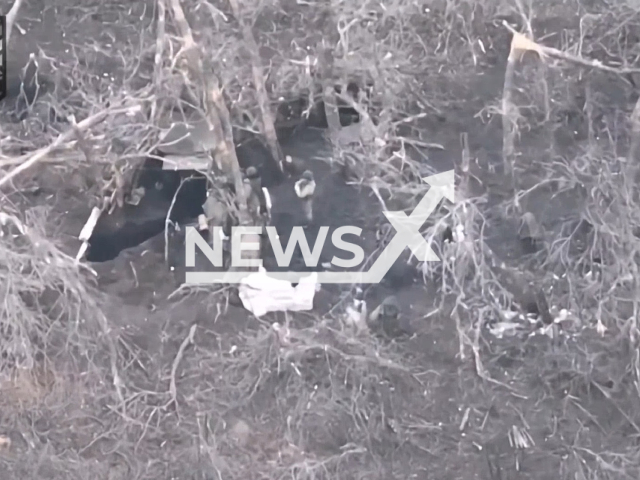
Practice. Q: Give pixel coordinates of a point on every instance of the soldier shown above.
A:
(217, 215)
(292, 167)
(530, 233)
(305, 189)
(257, 196)
(387, 319)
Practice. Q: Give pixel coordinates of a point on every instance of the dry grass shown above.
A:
(46, 300)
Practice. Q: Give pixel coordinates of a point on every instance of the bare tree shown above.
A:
(218, 119)
(11, 19)
(259, 80)
(217, 113)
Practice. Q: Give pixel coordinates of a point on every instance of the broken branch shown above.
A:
(62, 138)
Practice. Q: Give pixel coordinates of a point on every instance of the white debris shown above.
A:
(90, 225)
(458, 234)
(562, 316)
(261, 294)
(500, 329)
(202, 223)
(87, 231)
(356, 314)
(268, 202)
(513, 323)
(509, 315)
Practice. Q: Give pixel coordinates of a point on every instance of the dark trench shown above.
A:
(148, 218)
(138, 223)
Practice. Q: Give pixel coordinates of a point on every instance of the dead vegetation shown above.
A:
(329, 397)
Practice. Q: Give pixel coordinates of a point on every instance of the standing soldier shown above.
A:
(257, 197)
(305, 189)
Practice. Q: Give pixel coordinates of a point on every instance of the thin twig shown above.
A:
(113, 360)
(167, 221)
(160, 39)
(82, 141)
(173, 390)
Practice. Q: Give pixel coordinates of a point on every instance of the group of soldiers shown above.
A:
(216, 211)
(259, 200)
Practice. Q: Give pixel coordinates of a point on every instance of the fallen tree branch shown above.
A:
(85, 124)
(522, 43)
(63, 155)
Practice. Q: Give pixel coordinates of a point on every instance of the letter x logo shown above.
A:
(408, 231)
(408, 227)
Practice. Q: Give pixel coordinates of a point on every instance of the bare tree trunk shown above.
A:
(219, 121)
(217, 112)
(329, 97)
(633, 156)
(326, 64)
(160, 41)
(11, 19)
(268, 122)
